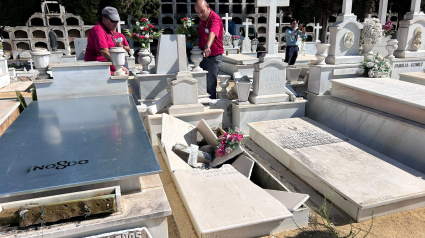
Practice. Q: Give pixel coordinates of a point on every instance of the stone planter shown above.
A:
(196, 58)
(254, 48)
(41, 62)
(243, 89)
(235, 43)
(367, 50)
(224, 82)
(144, 59)
(322, 53)
(118, 59)
(391, 47)
(292, 73)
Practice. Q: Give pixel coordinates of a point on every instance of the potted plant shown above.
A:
(143, 32)
(228, 146)
(375, 67)
(371, 34)
(190, 30)
(392, 43)
(235, 40)
(387, 29)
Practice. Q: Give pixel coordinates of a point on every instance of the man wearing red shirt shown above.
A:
(104, 36)
(211, 42)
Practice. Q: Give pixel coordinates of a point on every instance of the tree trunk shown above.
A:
(324, 22)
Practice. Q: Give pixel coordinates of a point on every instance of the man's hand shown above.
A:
(303, 30)
(300, 26)
(119, 45)
(125, 70)
(206, 52)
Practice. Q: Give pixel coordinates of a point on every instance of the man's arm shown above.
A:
(105, 53)
(211, 37)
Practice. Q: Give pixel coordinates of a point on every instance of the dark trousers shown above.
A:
(212, 65)
(291, 54)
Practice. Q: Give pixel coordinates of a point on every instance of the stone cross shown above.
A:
(415, 6)
(346, 14)
(382, 12)
(317, 29)
(31, 61)
(119, 26)
(246, 24)
(227, 18)
(271, 20)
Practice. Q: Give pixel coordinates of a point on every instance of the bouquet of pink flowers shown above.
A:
(388, 28)
(229, 142)
(235, 37)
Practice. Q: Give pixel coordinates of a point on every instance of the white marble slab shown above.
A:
(406, 65)
(4, 79)
(244, 114)
(396, 97)
(80, 45)
(395, 137)
(213, 117)
(414, 77)
(239, 59)
(245, 210)
(292, 201)
(244, 165)
(231, 68)
(167, 55)
(357, 179)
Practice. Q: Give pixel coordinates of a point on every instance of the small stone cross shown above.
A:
(415, 6)
(227, 18)
(317, 29)
(119, 26)
(246, 24)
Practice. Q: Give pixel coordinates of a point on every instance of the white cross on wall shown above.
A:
(227, 18)
(271, 20)
(246, 24)
(317, 29)
(119, 26)
(31, 61)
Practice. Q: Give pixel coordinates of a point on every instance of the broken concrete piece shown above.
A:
(36, 214)
(208, 149)
(292, 201)
(244, 165)
(193, 155)
(206, 132)
(183, 151)
(160, 104)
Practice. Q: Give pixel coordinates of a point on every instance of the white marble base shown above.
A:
(275, 98)
(392, 96)
(68, 59)
(4, 79)
(55, 57)
(151, 87)
(213, 117)
(240, 59)
(250, 54)
(244, 114)
(415, 77)
(353, 59)
(409, 54)
(320, 76)
(406, 65)
(80, 79)
(186, 108)
(395, 137)
(237, 68)
(357, 179)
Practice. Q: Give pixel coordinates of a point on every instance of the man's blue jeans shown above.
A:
(291, 54)
(212, 65)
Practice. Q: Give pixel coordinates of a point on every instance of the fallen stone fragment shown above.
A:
(183, 151)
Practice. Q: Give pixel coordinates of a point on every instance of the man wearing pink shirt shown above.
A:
(210, 41)
(104, 36)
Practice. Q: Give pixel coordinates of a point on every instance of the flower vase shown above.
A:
(367, 50)
(118, 59)
(144, 59)
(41, 62)
(196, 58)
(322, 53)
(254, 48)
(235, 43)
(243, 90)
(391, 47)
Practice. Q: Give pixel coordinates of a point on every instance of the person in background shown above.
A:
(211, 42)
(291, 36)
(104, 36)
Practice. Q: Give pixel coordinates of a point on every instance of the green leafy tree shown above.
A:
(16, 13)
(87, 10)
(308, 10)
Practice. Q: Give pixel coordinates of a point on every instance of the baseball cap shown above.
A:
(112, 13)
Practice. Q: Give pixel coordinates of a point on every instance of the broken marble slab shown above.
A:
(193, 155)
(292, 201)
(245, 209)
(206, 132)
(160, 104)
(244, 165)
(184, 152)
(356, 178)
